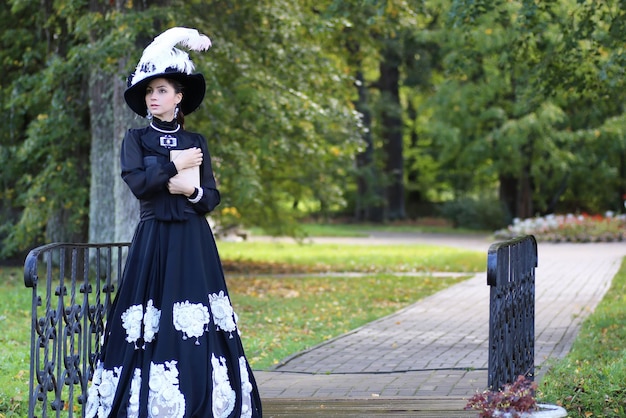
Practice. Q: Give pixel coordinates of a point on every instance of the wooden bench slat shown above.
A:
(375, 407)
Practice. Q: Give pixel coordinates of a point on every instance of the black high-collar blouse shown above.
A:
(146, 169)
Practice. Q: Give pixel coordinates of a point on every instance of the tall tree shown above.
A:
(374, 42)
(353, 42)
(277, 115)
(505, 127)
(49, 112)
(392, 127)
(422, 63)
(368, 200)
(113, 211)
(589, 76)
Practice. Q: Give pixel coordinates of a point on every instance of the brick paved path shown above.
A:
(438, 346)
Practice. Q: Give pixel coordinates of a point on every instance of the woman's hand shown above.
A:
(188, 158)
(179, 185)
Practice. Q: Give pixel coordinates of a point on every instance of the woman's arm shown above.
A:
(143, 174)
(210, 195)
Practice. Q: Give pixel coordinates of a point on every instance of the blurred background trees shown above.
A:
(366, 110)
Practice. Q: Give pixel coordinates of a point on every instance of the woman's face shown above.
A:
(161, 99)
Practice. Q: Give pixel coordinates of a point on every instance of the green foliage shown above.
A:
(489, 76)
(523, 97)
(529, 89)
(48, 147)
(589, 381)
(483, 213)
(277, 116)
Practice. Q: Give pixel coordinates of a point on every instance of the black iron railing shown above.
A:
(72, 287)
(511, 275)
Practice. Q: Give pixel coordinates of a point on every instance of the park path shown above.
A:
(437, 347)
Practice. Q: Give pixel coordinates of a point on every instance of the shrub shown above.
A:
(512, 400)
(475, 213)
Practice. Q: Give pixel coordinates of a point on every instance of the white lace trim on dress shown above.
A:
(134, 319)
(165, 399)
(223, 314)
(223, 393)
(191, 318)
(246, 389)
(135, 388)
(151, 319)
(102, 391)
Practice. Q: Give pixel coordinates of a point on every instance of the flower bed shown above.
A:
(569, 228)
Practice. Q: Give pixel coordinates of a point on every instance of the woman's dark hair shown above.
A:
(178, 88)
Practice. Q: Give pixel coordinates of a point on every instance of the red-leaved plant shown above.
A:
(511, 401)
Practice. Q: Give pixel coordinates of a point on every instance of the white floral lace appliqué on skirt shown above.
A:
(135, 318)
(102, 391)
(165, 400)
(222, 311)
(191, 319)
(223, 393)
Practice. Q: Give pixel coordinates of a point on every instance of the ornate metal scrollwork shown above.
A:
(511, 275)
(72, 287)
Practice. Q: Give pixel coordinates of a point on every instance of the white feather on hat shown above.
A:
(162, 53)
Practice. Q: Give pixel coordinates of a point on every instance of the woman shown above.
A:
(171, 345)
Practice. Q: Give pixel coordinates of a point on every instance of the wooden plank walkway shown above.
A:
(427, 407)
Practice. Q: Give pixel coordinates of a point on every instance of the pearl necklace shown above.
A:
(163, 130)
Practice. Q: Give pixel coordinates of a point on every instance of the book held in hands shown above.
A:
(191, 173)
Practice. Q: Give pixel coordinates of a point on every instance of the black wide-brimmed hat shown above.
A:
(161, 59)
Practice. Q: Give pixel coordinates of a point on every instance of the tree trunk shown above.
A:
(391, 120)
(114, 211)
(126, 204)
(413, 194)
(101, 197)
(508, 194)
(525, 205)
(368, 199)
(516, 192)
(554, 199)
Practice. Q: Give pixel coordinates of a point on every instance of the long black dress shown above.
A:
(171, 346)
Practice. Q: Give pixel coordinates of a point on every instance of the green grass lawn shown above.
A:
(284, 306)
(14, 342)
(591, 380)
(341, 257)
(320, 229)
(287, 315)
